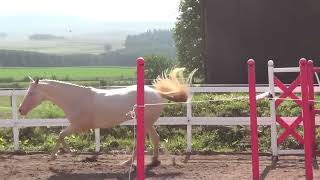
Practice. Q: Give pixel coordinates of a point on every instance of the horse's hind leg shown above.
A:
(61, 141)
(129, 161)
(155, 139)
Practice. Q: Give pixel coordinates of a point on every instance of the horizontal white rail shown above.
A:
(217, 121)
(286, 69)
(216, 89)
(291, 151)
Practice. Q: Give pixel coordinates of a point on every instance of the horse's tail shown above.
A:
(173, 85)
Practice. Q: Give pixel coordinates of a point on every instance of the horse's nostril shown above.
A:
(19, 110)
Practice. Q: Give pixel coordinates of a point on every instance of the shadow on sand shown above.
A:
(67, 175)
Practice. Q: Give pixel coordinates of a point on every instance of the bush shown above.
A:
(155, 65)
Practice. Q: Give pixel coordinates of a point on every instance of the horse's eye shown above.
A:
(31, 94)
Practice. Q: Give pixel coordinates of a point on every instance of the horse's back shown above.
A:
(127, 95)
(111, 106)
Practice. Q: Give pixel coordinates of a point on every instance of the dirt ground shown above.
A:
(83, 167)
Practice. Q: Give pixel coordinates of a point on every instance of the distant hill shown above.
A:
(21, 27)
(45, 37)
(3, 35)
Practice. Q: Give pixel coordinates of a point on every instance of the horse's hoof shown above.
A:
(186, 158)
(68, 150)
(53, 157)
(174, 161)
(90, 159)
(154, 163)
(61, 151)
(73, 153)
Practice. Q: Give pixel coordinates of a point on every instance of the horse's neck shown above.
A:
(66, 96)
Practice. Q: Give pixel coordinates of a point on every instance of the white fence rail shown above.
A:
(189, 120)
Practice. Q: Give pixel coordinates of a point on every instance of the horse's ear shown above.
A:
(36, 81)
(31, 79)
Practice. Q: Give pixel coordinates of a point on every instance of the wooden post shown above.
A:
(189, 128)
(274, 135)
(140, 118)
(312, 107)
(306, 119)
(253, 119)
(15, 119)
(97, 139)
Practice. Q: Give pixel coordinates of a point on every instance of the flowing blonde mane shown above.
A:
(174, 85)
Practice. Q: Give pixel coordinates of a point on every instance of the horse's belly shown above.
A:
(111, 117)
(108, 122)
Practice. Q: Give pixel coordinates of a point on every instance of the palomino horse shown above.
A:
(87, 107)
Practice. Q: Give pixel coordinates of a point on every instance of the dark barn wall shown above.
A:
(236, 30)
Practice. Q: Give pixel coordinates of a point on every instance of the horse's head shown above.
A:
(32, 99)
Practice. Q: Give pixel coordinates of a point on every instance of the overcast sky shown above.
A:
(105, 10)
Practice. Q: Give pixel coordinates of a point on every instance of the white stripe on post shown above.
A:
(15, 119)
(97, 138)
(274, 136)
(189, 126)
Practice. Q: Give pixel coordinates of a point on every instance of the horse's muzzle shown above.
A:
(22, 112)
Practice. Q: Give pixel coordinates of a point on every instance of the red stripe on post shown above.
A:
(253, 119)
(140, 118)
(312, 104)
(306, 119)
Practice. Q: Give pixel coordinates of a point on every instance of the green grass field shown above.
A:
(72, 73)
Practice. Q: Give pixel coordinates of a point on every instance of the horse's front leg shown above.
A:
(66, 147)
(61, 141)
